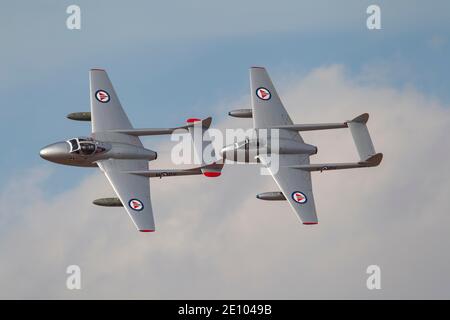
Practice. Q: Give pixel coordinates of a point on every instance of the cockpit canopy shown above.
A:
(84, 146)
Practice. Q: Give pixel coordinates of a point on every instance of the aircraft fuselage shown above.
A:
(84, 152)
(247, 151)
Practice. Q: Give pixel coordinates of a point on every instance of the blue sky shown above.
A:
(172, 60)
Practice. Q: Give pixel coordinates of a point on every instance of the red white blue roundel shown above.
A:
(102, 96)
(299, 197)
(263, 93)
(136, 204)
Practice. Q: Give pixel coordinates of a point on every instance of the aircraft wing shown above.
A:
(267, 109)
(295, 184)
(133, 190)
(106, 111)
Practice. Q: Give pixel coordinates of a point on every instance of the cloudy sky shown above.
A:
(174, 60)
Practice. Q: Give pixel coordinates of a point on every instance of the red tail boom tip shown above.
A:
(147, 230)
(310, 223)
(211, 174)
(191, 120)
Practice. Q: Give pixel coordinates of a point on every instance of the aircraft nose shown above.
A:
(55, 151)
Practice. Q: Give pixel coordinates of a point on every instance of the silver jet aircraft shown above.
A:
(114, 146)
(292, 172)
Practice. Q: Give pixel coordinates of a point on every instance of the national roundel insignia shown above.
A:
(299, 197)
(135, 204)
(102, 96)
(263, 94)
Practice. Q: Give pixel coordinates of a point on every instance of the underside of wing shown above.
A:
(107, 113)
(267, 109)
(133, 190)
(295, 184)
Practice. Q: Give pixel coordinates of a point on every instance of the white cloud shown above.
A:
(214, 239)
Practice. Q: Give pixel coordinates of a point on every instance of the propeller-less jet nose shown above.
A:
(55, 152)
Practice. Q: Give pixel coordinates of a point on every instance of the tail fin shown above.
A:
(210, 166)
(361, 136)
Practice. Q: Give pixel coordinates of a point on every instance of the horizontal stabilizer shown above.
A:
(161, 131)
(371, 161)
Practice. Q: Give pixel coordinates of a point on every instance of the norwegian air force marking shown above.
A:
(135, 204)
(263, 93)
(102, 96)
(299, 197)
